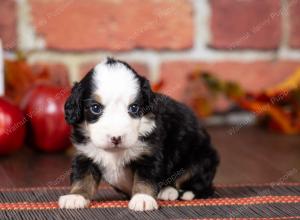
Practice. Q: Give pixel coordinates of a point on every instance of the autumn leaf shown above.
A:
(19, 78)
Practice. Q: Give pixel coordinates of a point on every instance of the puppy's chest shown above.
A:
(119, 177)
(117, 174)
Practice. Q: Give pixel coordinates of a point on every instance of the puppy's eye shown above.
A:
(96, 109)
(134, 109)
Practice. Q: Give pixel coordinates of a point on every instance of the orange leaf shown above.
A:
(157, 86)
(281, 118)
(19, 78)
(292, 82)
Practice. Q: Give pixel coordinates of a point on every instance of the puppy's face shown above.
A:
(110, 106)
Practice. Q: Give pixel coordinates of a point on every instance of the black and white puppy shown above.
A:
(143, 143)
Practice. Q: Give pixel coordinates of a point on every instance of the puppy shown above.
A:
(144, 144)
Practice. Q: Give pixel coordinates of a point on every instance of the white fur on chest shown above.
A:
(119, 177)
(114, 165)
(115, 172)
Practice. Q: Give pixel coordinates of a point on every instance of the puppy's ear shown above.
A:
(73, 105)
(147, 92)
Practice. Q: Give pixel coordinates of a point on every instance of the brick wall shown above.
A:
(255, 42)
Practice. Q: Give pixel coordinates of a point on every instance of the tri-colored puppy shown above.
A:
(143, 143)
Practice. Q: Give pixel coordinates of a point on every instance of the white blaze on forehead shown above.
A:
(117, 87)
(115, 82)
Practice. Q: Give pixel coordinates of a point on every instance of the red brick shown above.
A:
(252, 76)
(8, 23)
(114, 25)
(141, 68)
(58, 72)
(294, 9)
(240, 24)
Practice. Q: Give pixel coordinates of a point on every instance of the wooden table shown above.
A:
(250, 155)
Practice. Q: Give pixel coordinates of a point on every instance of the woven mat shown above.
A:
(229, 202)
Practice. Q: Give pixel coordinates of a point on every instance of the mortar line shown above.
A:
(152, 58)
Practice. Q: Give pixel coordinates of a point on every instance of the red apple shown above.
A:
(44, 108)
(12, 127)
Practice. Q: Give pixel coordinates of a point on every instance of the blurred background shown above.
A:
(235, 62)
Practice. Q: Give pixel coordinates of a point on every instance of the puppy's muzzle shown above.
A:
(116, 140)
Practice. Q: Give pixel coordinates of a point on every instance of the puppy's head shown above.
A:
(111, 106)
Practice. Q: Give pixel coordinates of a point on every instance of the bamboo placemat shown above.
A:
(256, 201)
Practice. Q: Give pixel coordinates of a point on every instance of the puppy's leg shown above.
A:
(143, 194)
(85, 178)
(168, 193)
(196, 182)
(80, 194)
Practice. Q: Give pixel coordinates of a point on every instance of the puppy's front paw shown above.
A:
(168, 193)
(73, 201)
(187, 195)
(142, 202)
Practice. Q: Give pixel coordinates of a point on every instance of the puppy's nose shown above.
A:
(116, 140)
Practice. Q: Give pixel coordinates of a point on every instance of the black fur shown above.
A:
(74, 105)
(82, 166)
(178, 142)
